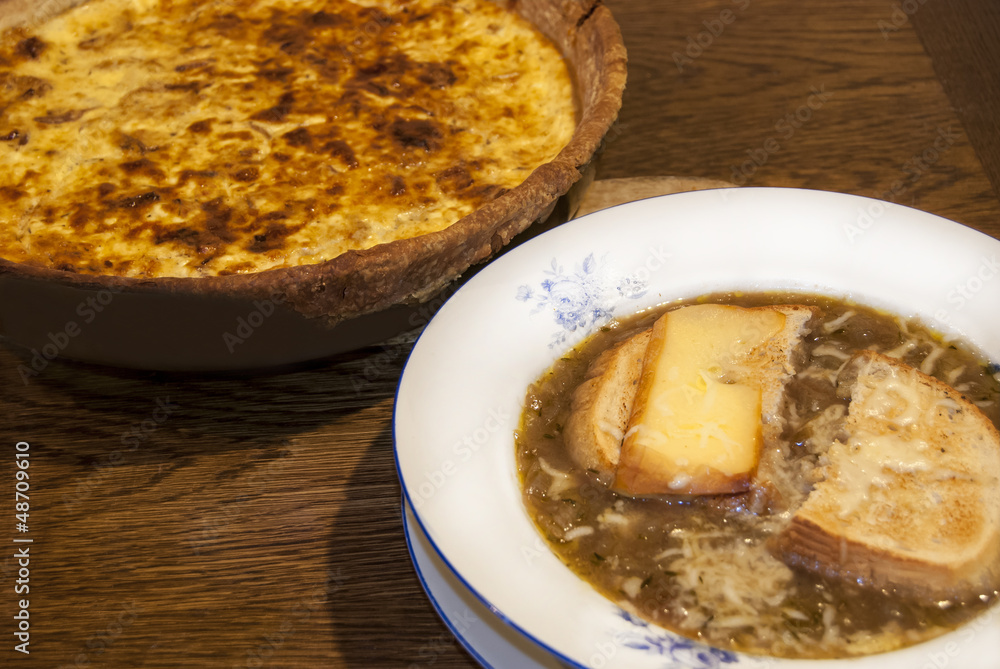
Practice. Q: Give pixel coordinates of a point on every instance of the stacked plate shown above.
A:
(491, 576)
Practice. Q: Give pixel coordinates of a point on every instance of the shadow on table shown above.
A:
(377, 598)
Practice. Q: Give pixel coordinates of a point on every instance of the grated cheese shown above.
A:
(837, 322)
(830, 350)
(927, 366)
(561, 481)
(577, 532)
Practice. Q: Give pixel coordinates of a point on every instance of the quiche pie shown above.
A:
(340, 156)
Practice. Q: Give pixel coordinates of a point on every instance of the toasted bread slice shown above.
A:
(774, 363)
(602, 405)
(912, 500)
(710, 392)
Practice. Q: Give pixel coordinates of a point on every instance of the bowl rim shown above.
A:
(440, 592)
(620, 213)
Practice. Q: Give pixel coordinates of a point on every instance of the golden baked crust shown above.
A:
(365, 281)
(192, 139)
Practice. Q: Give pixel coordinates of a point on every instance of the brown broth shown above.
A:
(700, 566)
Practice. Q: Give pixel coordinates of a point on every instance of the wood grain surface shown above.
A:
(254, 520)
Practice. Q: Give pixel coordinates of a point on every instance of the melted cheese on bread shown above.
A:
(909, 499)
(695, 427)
(184, 138)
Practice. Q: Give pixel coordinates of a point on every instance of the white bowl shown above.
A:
(462, 391)
(487, 638)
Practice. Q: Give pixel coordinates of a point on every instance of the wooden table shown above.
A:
(248, 521)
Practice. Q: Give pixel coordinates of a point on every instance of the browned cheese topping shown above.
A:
(153, 138)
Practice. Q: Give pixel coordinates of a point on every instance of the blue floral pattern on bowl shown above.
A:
(581, 299)
(680, 652)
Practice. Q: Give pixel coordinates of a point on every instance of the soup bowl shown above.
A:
(462, 392)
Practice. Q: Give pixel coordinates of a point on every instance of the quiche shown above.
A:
(314, 173)
(199, 138)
